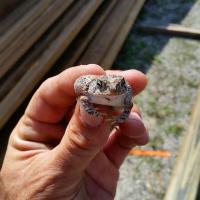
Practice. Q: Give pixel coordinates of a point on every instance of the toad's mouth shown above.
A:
(108, 100)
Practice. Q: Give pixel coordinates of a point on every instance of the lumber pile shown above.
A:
(42, 38)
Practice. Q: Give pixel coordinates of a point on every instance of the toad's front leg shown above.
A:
(87, 105)
(127, 109)
(127, 106)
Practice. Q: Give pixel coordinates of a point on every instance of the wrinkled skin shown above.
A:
(58, 151)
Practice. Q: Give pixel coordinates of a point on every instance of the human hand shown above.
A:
(58, 151)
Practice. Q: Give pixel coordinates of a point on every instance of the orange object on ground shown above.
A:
(140, 152)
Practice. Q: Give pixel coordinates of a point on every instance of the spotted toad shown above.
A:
(107, 90)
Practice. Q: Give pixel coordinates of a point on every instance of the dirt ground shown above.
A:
(172, 65)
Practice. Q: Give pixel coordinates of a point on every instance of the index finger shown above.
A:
(56, 95)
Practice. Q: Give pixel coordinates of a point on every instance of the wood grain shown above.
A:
(103, 40)
(40, 67)
(16, 15)
(9, 81)
(23, 23)
(26, 39)
(82, 41)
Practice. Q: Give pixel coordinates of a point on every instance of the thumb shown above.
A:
(83, 139)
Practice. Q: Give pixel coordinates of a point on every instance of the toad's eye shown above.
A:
(122, 82)
(121, 87)
(101, 85)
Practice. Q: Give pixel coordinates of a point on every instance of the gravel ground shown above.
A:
(173, 68)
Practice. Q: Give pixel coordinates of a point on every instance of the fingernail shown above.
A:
(88, 119)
